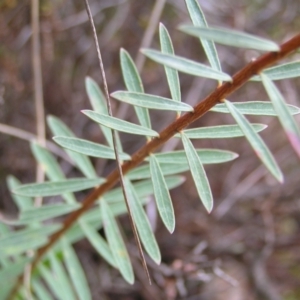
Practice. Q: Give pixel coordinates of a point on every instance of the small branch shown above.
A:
(115, 144)
(227, 88)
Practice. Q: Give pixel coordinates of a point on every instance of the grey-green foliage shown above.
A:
(60, 274)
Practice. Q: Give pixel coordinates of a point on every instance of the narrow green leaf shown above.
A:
(51, 167)
(198, 174)
(142, 189)
(162, 195)
(26, 239)
(46, 212)
(88, 148)
(230, 37)
(119, 125)
(259, 108)
(116, 243)
(75, 271)
(151, 101)
(21, 201)
(198, 19)
(98, 103)
(207, 156)
(84, 164)
(54, 188)
(49, 278)
(185, 65)
(142, 223)
(286, 119)
(60, 277)
(172, 75)
(284, 71)
(133, 83)
(219, 132)
(40, 291)
(97, 241)
(256, 142)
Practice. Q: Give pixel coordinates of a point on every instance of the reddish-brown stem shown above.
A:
(221, 92)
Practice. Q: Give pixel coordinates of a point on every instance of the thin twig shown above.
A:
(38, 86)
(203, 106)
(118, 161)
(149, 33)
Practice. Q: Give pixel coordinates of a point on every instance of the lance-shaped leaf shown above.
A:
(88, 148)
(54, 188)
(116, 243)
(219, 132)
(133, 83)
(185, 65)
(142, 223)
(198, 173)
(97, 241)
(142, 189)
(84, 164)
(47, 276)
(99, 105)
(39, 290)
(207, 156)
(75, 271)
(119, 125)
(162, 195)
(46, 212)
(51, 167)
(259, 108)
(230, 37)
(60, 277)
(284, 71)
(286, 119)
(260, 148)
(151, 101)
(22, 202)
(198, 19)
(172, 75)
(26, 239)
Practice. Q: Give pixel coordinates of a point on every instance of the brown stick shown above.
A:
(227, 88)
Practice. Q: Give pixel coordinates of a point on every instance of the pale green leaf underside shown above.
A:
(88, 148)
(40, 291)
(84, 164)
(286, 119)
(172, 75)
(259, 108)
(230, 37)
(26, 239)
(198, 19)
(97, 241)
(207, 156)
(75, 271)
(284, 71)
(142, 188)
(151, 101)
(53, 188)
(198, 173)
(116, 243)
(256, 142)
(133, 83)
(185, 65)
(42, 213)
(60, 277)
(162, 195)
(142, 223)
(119, 125)
(217, 132)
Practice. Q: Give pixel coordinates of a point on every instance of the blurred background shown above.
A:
(248, 247)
